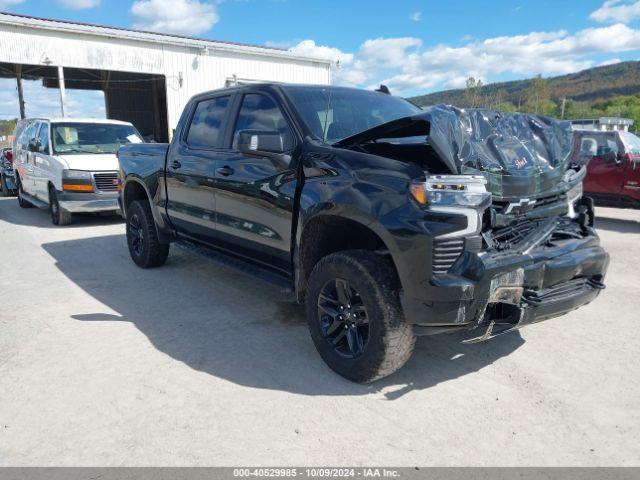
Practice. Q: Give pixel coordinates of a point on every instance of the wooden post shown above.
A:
(20, 94)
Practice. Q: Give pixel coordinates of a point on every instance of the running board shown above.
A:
(255, 271)
(34, 201)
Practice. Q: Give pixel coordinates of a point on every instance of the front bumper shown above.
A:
(504, 291)
(76, 202)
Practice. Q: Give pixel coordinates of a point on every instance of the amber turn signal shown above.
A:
(71, 187)
(418, 192)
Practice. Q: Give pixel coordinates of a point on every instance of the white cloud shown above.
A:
(611, 61)
(45, 102)
(186, 17)
(617, 11)
(407, 66)
(4, 4)
(79, 4)
(416, 16)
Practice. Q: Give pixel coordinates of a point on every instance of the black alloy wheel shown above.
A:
(136, 235)
(344, 322)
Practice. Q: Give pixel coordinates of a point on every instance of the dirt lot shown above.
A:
(102, 363)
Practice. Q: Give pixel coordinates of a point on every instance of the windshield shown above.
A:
(333, 113)
(631, 143)
(78, 138)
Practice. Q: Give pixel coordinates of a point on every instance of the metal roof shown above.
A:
(146, 36)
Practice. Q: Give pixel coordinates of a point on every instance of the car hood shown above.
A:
(93, 162)
(519, 154)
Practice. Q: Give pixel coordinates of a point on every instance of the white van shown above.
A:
(70, 165)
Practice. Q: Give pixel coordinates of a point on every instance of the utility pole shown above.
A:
(564, 102)
(62, 91)
(20, 93)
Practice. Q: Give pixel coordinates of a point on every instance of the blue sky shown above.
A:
(413, 46)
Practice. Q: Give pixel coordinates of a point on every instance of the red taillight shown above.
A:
(9, 156)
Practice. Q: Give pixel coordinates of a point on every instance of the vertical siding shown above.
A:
(200, 71)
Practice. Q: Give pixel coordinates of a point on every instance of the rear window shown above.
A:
(204, 131)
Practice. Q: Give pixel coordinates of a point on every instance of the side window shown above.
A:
(204, 131)
(43, 136)
(28, 134)
(259, 112)
(597, 145)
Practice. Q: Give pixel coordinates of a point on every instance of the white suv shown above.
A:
(70, 165)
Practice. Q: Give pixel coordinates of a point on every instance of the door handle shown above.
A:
(176, 164)
(225, 171)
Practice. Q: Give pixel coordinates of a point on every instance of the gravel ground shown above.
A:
(102, 363)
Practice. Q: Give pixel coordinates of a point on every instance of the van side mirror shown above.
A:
(254, 142)
(34, 145)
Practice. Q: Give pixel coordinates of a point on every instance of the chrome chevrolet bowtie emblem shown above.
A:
(522, 204)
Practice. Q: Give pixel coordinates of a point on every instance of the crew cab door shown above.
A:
(190, 170)
(605, 168)
(255, 190)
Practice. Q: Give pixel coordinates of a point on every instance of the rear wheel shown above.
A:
(355, 317)
(21, 200)
(59, 216)
(142, 238)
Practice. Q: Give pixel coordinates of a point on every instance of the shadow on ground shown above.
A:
(39, 217)
(224, 323)
(617, 225)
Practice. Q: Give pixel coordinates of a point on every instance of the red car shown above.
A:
(613, 166)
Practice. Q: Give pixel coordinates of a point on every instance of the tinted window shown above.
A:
(336, 113)
(204, 130)
(43, 136)
(260, 112)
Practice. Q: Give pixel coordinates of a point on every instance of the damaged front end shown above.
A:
(527, 251)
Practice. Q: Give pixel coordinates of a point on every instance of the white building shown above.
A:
(147, 78)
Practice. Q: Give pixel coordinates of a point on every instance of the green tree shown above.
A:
(473, 92)
(537, 97)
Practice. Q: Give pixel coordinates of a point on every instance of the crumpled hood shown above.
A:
(519, 154)
(93, 162)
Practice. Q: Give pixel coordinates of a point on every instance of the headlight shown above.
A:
(76, 175)
(464, 191)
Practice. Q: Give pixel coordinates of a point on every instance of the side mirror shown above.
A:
(34, 145)
(254, 142)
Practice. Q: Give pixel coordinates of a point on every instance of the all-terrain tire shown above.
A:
(390, 340)
(21, 200)
(142, 237)
(59, 216)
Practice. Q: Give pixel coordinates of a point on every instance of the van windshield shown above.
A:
(79, 138)
(335, 113)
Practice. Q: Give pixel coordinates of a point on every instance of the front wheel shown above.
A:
(355, 317)
(59, 216)
(142, 238)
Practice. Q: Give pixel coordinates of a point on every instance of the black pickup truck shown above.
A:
(388, 221)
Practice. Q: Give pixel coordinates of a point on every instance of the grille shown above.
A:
(445, 254)
(106, 182)
(510, 236)
(501, 206)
